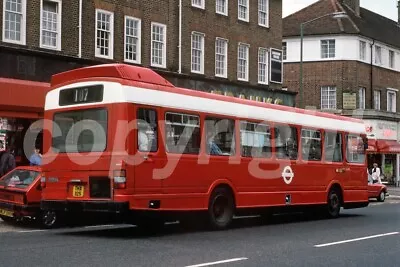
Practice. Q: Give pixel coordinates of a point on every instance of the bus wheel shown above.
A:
(333, 203)
(221, 208)
(48, 219)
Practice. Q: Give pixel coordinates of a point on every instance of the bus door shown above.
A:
(147, 150)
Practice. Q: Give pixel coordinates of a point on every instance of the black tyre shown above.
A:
(382, 196)
(221, 208)
(334, 201)
(48, 219)
(7, 219)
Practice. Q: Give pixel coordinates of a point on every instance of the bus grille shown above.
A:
(100, 187)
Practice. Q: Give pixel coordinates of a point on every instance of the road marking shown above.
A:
(97, 226)
(31, 231)
(217, 262)
(355, 239)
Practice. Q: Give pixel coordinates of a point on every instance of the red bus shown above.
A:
(122, 139)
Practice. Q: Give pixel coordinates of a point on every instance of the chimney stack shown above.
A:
(354, 5)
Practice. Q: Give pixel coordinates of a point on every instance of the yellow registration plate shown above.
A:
(78, 191)
(6, 213)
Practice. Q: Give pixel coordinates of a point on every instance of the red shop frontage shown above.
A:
(21, 104)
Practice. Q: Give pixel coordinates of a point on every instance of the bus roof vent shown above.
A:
(122, 71)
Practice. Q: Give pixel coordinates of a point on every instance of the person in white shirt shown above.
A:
(376, 174)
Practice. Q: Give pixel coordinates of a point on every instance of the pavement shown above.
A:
(360, 237)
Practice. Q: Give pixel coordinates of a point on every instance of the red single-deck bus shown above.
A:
(122, 139)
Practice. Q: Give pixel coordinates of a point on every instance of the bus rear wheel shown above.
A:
(334, 201)
(220, 208)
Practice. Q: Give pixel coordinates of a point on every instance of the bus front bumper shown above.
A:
(82, 206)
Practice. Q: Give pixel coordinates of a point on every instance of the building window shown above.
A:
(262, 66)
(132, 40)
(198, 3)
(377, 99)
(391, 101)
(284, 50)
(198, 52)
(363, 50)
(328, 97)
(221, 57)
(263, 13)
(243, 62)
(14, 21)
(361, 98)
(327, 48)
(243, 10)
(104, 33)
(158, 45)
(391, 59)
(378, 55)
(221, 7)
(50, 24)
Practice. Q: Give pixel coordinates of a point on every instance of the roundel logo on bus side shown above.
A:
(287, 174)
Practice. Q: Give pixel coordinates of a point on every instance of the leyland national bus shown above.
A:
(122, 139)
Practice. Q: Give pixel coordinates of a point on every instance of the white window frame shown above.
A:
(363, 50)
(139, 37)
(246, 78)
(377, 99)
(361, 98)
(225, 7)
(225, 69)
(22, 41)
(393, 92)
(202, 39)
(164, 51)
(329, 88)
(246, 19)
(328, 43)
(111, 41)
(266, 63)
(201, 5)
(392, 59)
(378, 55)
(263, 11)
(59, 25)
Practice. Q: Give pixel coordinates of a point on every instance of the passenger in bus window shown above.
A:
(143, 140)
(213, 148)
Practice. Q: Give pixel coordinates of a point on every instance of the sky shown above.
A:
(387, 8)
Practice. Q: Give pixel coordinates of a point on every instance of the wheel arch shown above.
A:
(225, 183)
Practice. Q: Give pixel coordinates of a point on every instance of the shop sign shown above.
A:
(349, 100)
(378, 129)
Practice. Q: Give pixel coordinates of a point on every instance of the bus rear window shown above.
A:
(81, 131)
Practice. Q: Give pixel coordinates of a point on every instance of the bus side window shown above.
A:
(182, 133)
(311, 148)
(355, 151)
(147, 130)
(333, 147)
(286, 143)
(220, 136)
(255, 140)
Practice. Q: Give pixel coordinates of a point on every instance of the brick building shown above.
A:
(351, 66)
(220, 46)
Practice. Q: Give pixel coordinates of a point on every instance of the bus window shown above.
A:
(182, 133)
(355, 152)
(286, 142)
(220, 136)
(147, 130)
(81, 131)
(255, 140)
(333, 147)
(311, 144)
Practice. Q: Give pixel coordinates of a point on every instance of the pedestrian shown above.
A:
(376, 174)
(36, 157)
(7, 162)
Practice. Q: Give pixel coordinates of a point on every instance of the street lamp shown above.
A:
(335, 15)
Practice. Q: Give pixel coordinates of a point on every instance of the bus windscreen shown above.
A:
(80, 131)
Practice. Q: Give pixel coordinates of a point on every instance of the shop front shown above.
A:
(384, 148)
(21, 104)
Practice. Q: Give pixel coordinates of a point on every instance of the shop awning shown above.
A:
(372, 147)
(388, 146)
(22, 98)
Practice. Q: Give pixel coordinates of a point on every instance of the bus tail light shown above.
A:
(42, 182)
(119, 179)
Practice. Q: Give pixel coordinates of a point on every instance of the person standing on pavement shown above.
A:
(376, 174)
(7, 162)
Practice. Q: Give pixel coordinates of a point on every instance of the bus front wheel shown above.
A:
(334, 201)
(221, 208)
